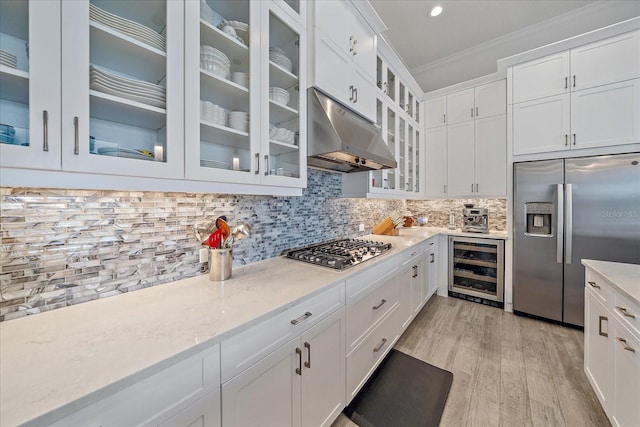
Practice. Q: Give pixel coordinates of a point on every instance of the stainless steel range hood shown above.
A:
(340, 139)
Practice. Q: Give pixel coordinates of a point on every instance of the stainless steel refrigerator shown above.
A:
(566, 210)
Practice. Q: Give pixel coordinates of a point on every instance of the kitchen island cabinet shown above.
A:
(612, 338)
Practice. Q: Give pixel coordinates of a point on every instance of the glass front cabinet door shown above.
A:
(122, 87)
(244, 110)
(30, 84)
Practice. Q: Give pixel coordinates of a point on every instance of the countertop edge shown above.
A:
(605, 269)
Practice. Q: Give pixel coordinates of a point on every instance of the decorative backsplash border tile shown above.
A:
(65, 247)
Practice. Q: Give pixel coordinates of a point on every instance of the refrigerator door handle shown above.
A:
(560, 224)
(569, 224)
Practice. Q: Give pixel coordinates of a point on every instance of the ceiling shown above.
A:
(467, 39)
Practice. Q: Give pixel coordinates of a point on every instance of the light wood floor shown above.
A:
(507, 370)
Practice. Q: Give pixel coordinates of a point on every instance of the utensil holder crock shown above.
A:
(220, 264)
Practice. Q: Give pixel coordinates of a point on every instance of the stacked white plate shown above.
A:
(240, 78)
(125, 87)
(239, 120)
(214, 164)
(8, 59)
(279, 95)
(282, 135)
(128, 27)
(214, 61)
(211, 112)
(277, 56)
(239, 32)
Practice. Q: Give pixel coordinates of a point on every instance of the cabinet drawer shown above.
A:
(361, 284)
(363, 314)
(156, 398)
(366, 357)
(628, 312)
(408, 255)
(599, 287)
(249, 346)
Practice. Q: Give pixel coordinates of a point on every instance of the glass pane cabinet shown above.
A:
(30, 84)
(242, 92)
(397, 111)
(121, 64)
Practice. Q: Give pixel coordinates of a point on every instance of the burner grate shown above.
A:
(339, 254)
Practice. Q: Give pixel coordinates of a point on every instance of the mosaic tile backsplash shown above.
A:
(65, 247)
(438, 211)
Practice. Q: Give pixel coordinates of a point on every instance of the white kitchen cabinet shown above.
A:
(30, 93)
(71, 122)
(598, 357)
(436, 110)
(344, 59)
(606, 115)
(540, 78)
(583, 98)
(411, 277)
(436, 162)
(300, 383)
(477, 163)
(625, 410)
(430, 279)
(475, 103)
(185, 392)
(107, 132)
(272, 53)
(612, 349)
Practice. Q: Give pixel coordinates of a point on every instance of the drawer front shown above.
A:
(157, 397)
(599, 286)
(364, 359)
(249, 346)
(363, 314)
(362, 283)
(628, 312)
(410, 254)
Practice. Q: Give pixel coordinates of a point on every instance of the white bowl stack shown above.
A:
(279, 95)
(239, 120)
(214, 61)
(277, 56)
(282, 135)
(8, 59)
(240, 30)
(240, 78)
(211, 112)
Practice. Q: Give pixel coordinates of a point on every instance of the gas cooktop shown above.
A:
(339, 254)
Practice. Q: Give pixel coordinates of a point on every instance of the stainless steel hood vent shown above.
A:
(340, 139)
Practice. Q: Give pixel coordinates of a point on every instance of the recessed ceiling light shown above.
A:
(437, 10)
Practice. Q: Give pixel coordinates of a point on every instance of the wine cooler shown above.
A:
(476, 269)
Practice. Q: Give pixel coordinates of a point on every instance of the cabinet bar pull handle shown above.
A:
(566, 139)
(375, 307)
(574, 80)
(301, 318)
(477, 188)
(45, 130)
(574, 139)
(476, 111)
(432, 258)
(593, 285)
(625, 312)
(444, 118)
(299, 368)
(350, 92)
(350, 43)
(566, 82)
(471, 112)
(76, 144)
(377, 349)
(625, 345)
(472, 187)
(600, 319)
(308, 347)
(257, 163)
(445, 189)
(355, 100)
(266, 164)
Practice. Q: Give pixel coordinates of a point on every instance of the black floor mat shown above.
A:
(403, 391)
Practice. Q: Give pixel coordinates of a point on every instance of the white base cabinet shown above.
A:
(301, 383)
(612, 350)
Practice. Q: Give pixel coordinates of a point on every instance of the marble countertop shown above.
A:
(53, 362)
(623, 277)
